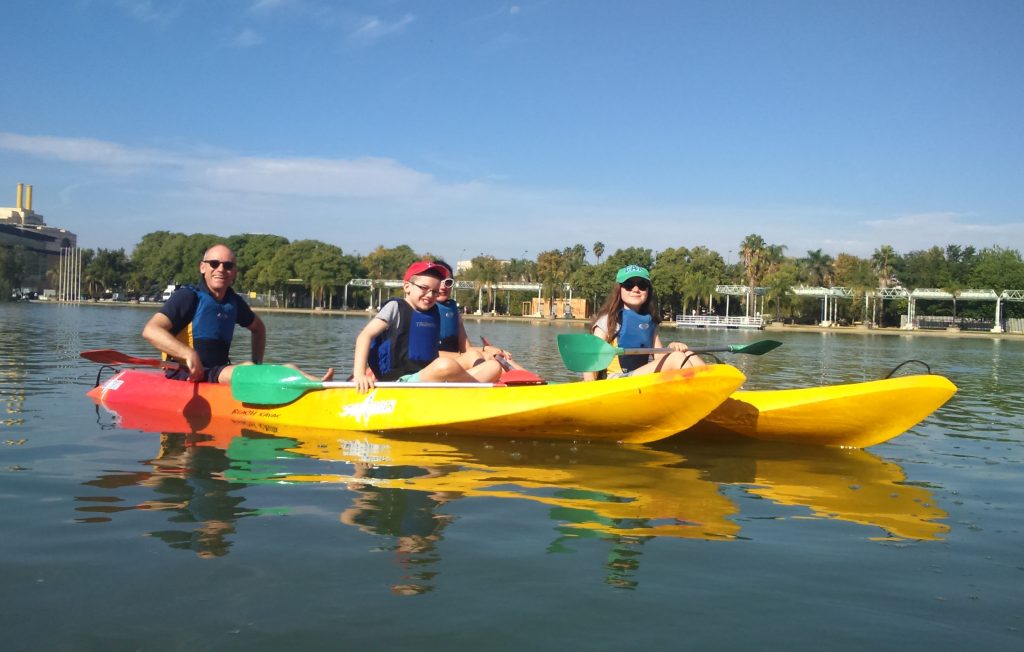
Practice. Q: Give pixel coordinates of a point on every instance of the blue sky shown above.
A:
(466, 127)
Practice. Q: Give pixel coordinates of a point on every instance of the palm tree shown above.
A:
(598, 250)
(882, 261)
(954, 288)
(752, 252)
(818, 268)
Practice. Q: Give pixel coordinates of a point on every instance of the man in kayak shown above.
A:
(196, 324)
(629, 316)
(402, 342)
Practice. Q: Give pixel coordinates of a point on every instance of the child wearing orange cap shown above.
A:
(401, 343)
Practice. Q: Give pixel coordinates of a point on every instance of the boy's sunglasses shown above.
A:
(634, 283)
(430, 292)
(228, 264)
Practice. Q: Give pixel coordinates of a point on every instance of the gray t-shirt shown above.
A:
(390, 314)
(602, 323)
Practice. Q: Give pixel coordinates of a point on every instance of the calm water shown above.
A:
(122, 539)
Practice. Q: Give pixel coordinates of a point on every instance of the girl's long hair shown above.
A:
(612, 306)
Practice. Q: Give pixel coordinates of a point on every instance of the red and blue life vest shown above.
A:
(408, 348)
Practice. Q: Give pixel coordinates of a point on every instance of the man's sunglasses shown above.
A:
(228, 264)
(636, 283)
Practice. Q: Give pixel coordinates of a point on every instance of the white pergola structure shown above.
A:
(881, 294)
(380, 284)
(963, 295)
(740, 291)
(1007, 295)
(830, 300)
(508, 287)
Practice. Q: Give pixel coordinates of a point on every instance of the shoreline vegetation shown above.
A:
(779, 327)
(943, 286)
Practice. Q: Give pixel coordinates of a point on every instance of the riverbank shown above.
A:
(861, 330)
(773, 327)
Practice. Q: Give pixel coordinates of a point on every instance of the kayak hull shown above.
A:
(630, 410)
(855, 415)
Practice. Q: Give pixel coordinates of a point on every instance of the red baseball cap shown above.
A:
(424, 267)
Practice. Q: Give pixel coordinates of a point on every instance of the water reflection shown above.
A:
(407, 519)
(623, 496)
(185, 479)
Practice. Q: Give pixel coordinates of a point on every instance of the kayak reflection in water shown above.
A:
(408, 516)
(186, 479)
(629, 318)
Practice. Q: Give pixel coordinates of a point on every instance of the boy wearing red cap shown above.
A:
(401, 342)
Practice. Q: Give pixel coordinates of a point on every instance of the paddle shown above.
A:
(585, 352)
(270, 384)
(110, 356)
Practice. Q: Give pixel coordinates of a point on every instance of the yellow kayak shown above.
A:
(632, 410)
(855, 415)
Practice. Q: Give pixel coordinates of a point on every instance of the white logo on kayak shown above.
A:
(369, 407)
(113, 383)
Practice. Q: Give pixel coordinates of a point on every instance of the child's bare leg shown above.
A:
(445, 370)
(487, 372)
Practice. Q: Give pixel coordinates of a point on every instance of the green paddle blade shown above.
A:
(269, 384)
(585, 352)
(759, 347)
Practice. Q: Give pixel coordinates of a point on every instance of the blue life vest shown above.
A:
(212, 327)
(636, 331)
(408, 348)
(449, 325)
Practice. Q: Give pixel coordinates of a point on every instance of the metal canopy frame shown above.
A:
(390, 283)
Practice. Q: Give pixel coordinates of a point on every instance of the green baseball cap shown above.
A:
(631, 271)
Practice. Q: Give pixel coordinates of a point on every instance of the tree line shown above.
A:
(685, 278)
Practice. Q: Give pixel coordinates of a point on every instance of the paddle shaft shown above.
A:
(585, 352)
(397, 385)
(500, 358)
(692, 349)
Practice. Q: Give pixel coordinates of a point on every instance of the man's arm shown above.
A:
(158, 333)
(259, 339)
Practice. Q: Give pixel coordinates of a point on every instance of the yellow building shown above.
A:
(22, 227)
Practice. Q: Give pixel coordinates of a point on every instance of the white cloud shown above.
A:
(88, 150)
(114, 193)
(151, 11)
(247, 38)
(923, 230)
(310, 177)
(267, 6)
(371, 28)
(365, 177)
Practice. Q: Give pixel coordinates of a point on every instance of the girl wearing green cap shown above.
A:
(629, 318)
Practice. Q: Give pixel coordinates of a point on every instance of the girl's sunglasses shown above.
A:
(636, 283)
(448, 283)
(228, 265)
